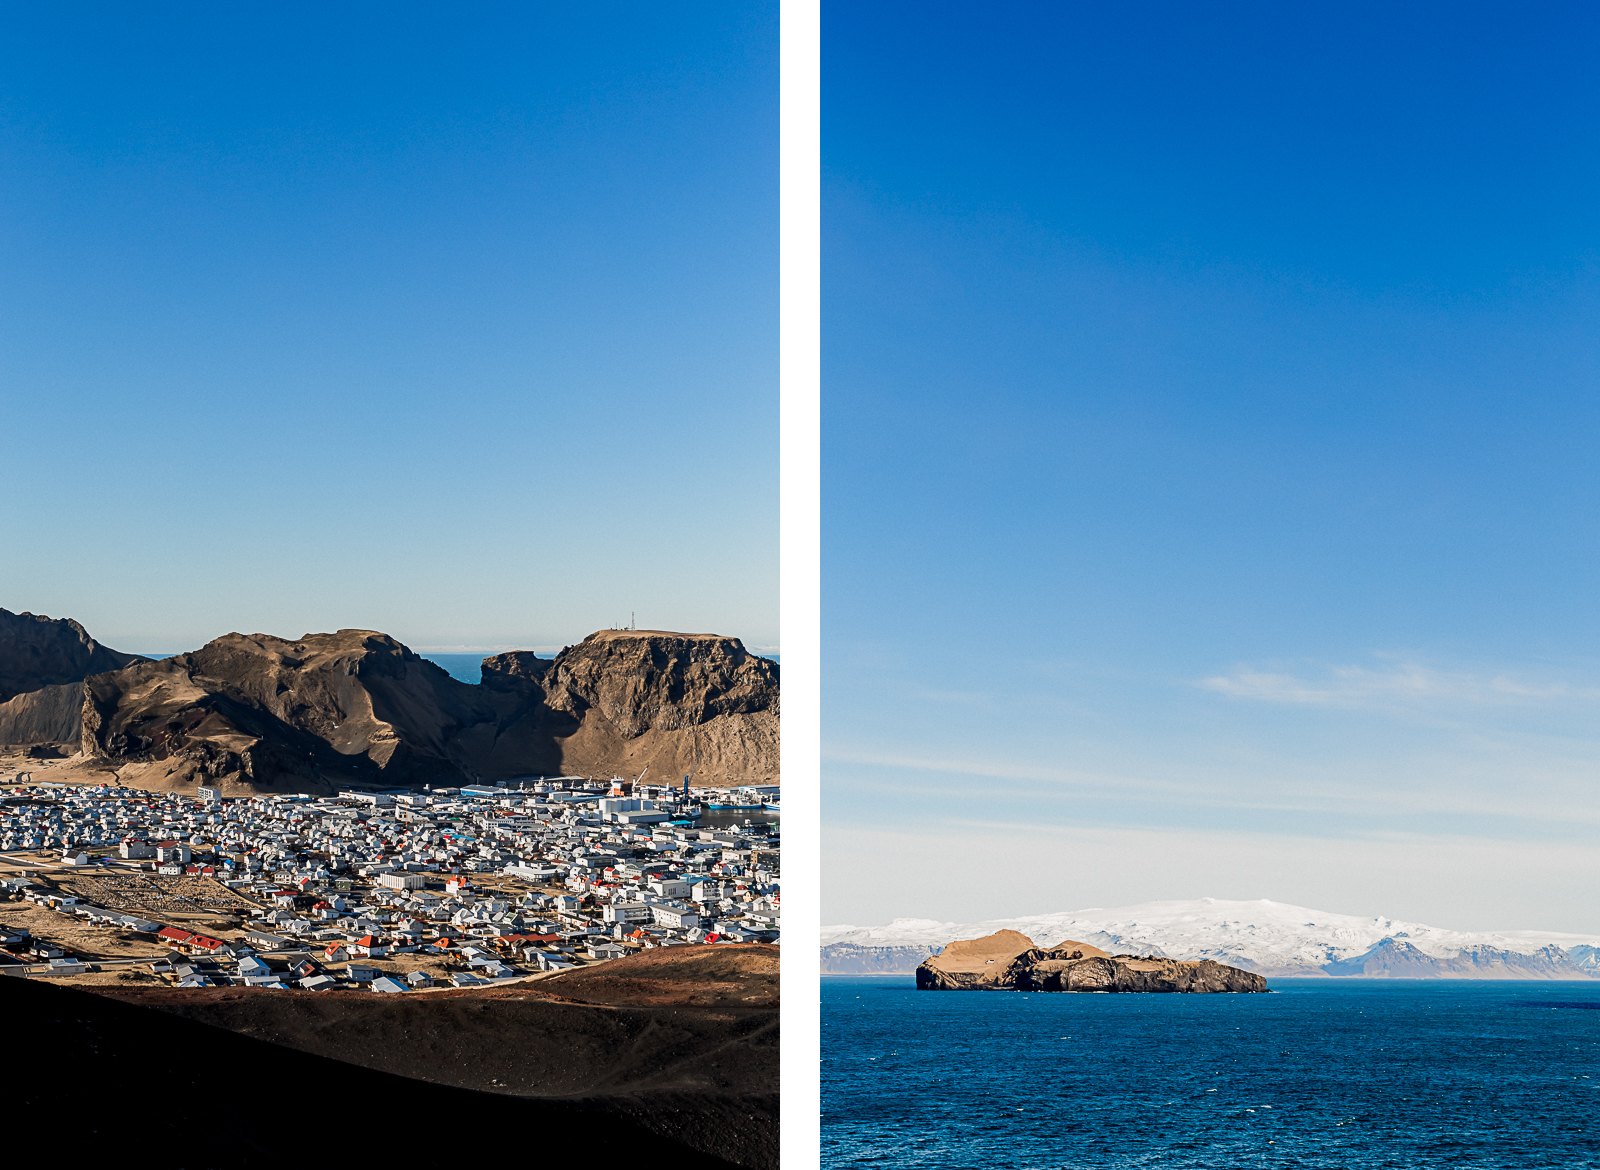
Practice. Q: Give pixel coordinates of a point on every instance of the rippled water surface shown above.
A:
(1320, 1073)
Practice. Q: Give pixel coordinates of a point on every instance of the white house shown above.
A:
(675, 915)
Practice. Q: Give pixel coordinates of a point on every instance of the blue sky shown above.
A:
(1208, 474)
(457, 323)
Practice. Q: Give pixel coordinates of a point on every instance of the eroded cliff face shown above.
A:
(995, 963)
(650, 680)
(628, 700)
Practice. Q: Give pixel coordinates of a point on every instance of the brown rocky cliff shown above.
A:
(639, 680)
(514, 665)
(623, 701)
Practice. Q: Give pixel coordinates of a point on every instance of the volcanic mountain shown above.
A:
(254, 711)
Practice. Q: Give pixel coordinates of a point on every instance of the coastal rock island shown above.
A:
(1010, 961)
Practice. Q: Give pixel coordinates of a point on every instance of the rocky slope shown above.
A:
(254, 711)
(1009, 961)
(349, 707)
(47, 721)
(43, 662)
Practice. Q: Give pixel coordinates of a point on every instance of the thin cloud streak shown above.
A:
(1402, 682)
(1002, 770)
(1317, 796)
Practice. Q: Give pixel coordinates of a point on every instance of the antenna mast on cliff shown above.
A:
(632, 622)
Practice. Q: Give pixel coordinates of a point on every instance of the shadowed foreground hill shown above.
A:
(354, 707)
(684, 1040)
(143, 1079)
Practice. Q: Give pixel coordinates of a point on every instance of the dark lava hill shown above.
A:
(684, 1040)
(158, 1078)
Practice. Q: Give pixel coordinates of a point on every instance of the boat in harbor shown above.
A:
(754, 799)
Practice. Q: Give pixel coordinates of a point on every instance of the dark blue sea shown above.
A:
(1344, 1074)
(465, 667)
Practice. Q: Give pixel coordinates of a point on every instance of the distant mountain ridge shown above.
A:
(1268, 938)
(358, 707)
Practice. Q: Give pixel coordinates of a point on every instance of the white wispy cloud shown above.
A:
(997, 769)
(1520, 783)
(1390, 683)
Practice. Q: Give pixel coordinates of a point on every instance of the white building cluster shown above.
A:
(485, 883)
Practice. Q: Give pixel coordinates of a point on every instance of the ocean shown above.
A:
(465, 668)
(1348, 1074)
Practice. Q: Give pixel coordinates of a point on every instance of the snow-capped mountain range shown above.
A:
(1271, 938)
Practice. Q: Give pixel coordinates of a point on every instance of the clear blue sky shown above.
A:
(1210, 489)
(455, 321)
